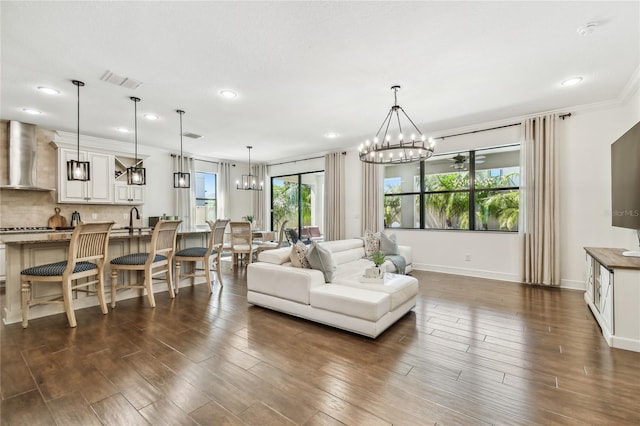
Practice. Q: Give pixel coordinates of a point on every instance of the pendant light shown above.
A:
(181, 180)
(136, 175)
(387, 150)
(76, 169)
(249, 182)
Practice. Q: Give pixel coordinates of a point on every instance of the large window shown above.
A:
(299, 199)
(472, 190)
(205, 197)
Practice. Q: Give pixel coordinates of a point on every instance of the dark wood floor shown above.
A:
(473, 351)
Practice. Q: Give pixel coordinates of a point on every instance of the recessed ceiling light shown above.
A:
(48, 90)
(331, 135)
(122, 130)
(31, 111)
(229, 94)
(571, 81)
(151, 117)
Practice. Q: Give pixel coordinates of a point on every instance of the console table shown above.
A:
(613, 295)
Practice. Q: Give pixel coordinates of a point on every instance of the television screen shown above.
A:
(625, 180)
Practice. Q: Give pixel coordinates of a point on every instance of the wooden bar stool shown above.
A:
(203, 254)
(87, 256)
(162, 248)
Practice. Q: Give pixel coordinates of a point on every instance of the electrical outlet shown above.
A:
(94, 216)
(467, 257)
(124, 215)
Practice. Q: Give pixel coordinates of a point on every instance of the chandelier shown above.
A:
(385, 149)
(249, 182)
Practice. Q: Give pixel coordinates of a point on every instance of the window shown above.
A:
(298, 198)
(205, 197)
(474, 190)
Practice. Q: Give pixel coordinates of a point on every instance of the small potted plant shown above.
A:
(378, 259)
(250, 219)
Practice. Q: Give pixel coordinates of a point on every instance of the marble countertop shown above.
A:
(116, 233)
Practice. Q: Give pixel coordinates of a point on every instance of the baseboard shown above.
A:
(572, 285)
(478, 273)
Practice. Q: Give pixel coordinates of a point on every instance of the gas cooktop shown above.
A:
(29, 229)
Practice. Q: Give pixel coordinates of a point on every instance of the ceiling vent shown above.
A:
(118, 80)
(192, 135)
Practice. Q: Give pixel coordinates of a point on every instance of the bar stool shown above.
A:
(86, 258)
(162, 248)
(203, 254)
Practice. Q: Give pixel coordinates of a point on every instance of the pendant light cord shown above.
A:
(181, 156)
(135, 126)
(78, 132)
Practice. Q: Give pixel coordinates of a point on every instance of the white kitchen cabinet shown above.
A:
(613, 295)
(128, 194)
(97, 190)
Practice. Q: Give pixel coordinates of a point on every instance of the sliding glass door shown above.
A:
(299, 199)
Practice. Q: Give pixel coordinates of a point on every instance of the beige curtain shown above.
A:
(224, 190)
(185, 198)
(259, 210)
(334, 172)
(371, 198)
(540, 207)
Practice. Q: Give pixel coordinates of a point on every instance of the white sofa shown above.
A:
(345, 303)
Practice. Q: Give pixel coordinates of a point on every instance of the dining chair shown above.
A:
(241, 241)
(157, 261)
(86, 258)
(204, 255)
(272, 245)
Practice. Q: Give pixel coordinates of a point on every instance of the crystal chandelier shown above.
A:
(385, 149)
(249, 182)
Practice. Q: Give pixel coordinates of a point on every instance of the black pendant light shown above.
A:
(181, 180)
(136, 175)
(250, 181)
(76, 169)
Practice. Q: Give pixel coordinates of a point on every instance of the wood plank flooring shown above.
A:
(472, 352)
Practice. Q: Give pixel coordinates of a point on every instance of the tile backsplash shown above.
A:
(33, 208)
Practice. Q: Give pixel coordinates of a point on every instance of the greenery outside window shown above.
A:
(476, 190)
(206, 193)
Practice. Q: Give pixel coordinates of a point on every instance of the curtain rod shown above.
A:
(295, 161)
(478, 131)
(198, 159)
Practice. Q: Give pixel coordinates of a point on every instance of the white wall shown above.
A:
(585, 184)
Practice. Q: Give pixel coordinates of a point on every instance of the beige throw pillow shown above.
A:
(298, 255)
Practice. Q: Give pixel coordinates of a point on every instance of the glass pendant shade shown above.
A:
(249, 182)
(181, 179)
(136, 175)
(76, 169)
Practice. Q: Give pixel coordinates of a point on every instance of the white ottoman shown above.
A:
(355, 302)
(400, 288)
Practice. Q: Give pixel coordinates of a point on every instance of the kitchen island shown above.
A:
(31, 249)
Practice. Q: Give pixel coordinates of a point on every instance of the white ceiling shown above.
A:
(303, 69)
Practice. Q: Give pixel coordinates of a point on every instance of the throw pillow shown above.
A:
(298, 255)
(388, 244)
(371, 243)
(321, 259)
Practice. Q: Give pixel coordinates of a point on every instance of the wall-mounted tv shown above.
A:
(625, 180)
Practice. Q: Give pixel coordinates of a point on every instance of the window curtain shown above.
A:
(540, 202)
(259, 210)
(224, 190)
(185, 198)
(371, 198)
(334, 172)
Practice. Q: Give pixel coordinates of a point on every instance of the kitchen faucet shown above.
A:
(131, 218)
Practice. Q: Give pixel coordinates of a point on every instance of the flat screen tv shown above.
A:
(625, 180)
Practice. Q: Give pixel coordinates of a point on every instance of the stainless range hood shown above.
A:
(23, 165)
